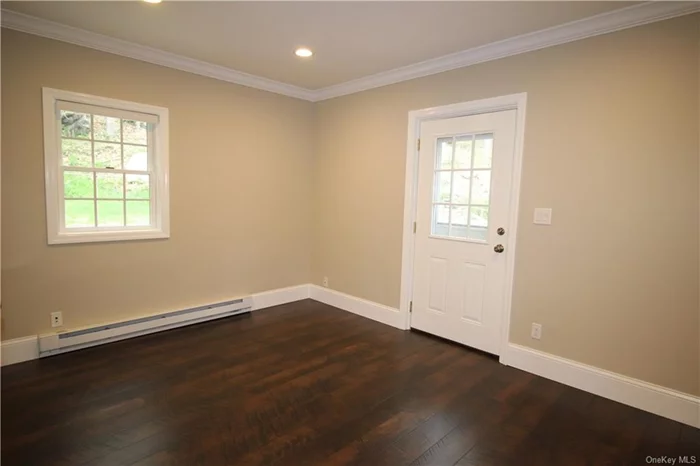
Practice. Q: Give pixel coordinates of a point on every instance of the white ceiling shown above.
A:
(350, 39)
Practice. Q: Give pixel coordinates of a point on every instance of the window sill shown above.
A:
(107, 236)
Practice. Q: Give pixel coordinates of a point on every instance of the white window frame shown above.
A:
(158, 157)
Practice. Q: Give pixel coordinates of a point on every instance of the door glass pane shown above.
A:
(441, 191)
(110, 185)
(441, 220)
(460, 215)
(138, 213)
(106, 128)
(110, 213)
(463, 153)
(460, 190)
(108, 155)
(462, 186)
(444, 154)
(478, 233)
(78, 185)
(483, 151)
(479, 216)
(76, 153)
(79, 214)
(481, 187)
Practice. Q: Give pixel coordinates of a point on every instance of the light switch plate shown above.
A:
(543, 216)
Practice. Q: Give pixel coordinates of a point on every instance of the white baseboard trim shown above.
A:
(19, 350)
(655, 399)
(375, 311)
(280, 296)
(665, 402)
(27, 348)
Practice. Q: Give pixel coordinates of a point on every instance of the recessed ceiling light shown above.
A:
(303, 52)
(152, 1)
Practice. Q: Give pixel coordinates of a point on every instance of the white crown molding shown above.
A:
(635, 15)
(52, 30)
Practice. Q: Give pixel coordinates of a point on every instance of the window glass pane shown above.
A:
(138, 213)
(80, 214)
(481, 187)
(106, 128)
(463, 152)
(137, 187)
(479, 216)
(110, 185)
(444, 154)
(483, 151)
(110, 213)
(441, 191)
(75, 125)
(135, 157)
(108, 155)
(135, 131)
(78, 185)
(460, 188)
(76, 153)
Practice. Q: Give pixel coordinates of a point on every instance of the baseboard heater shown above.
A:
(61, 342)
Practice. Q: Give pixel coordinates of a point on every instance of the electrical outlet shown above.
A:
(536, 331)
(325, 282)
(57, 319)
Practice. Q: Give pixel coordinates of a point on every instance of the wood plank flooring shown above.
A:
(307, 384)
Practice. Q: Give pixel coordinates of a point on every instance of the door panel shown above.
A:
(463, 197)
(472, 279)
(438, 284)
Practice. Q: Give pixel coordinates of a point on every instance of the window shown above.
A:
(462, 186)
(106, 166)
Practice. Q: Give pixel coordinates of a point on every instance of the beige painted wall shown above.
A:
(240, 167)
(611, 145)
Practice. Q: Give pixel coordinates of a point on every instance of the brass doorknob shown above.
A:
(499, 248)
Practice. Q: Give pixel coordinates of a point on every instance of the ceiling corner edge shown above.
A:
(76, 36)
(612, 21)
(632, 16)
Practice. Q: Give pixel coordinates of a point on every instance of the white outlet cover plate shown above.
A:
(543, 216)
(56, 319)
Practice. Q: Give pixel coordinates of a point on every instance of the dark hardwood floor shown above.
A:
(307, 384)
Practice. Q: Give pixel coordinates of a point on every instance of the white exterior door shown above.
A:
(463, 210)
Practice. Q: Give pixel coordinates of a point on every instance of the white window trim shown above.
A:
(52, 170)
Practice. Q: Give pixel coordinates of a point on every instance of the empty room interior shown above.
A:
(350, 233)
